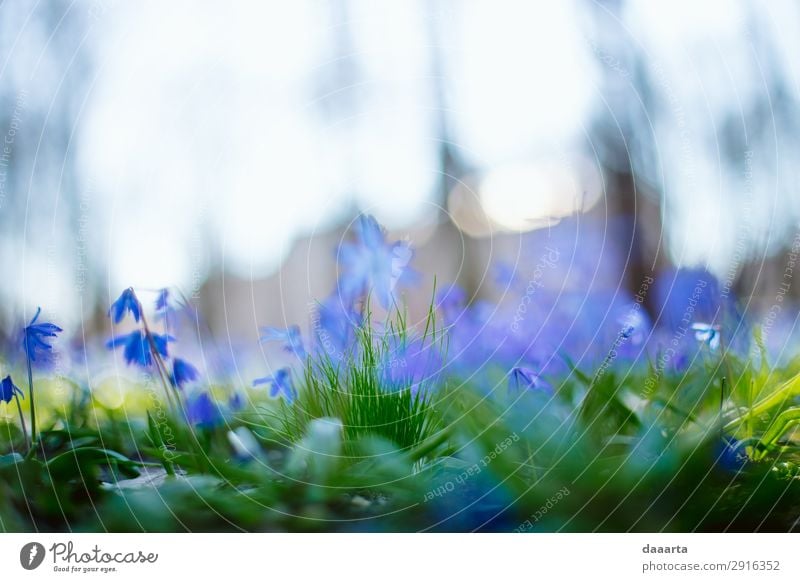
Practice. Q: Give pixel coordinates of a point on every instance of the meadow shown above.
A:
(543, 412)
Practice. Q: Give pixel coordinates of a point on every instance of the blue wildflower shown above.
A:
(137, 348)
(203, 411)
(409, 364)
(627, 332)
(729, 454)
(35, 339)
(635, 318)
(334, 326)
(8, 390)
(370, 264)
(162, 301)
(451, 301)
(235, 402)
(167, 309)
(292, 342)
(280, 383)
(125, 303)
(183, 372)
(707, 334)
(674, 288)
(524, 378)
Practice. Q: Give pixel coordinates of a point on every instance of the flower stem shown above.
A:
(33, 404)
(162, 368)
(22, 423)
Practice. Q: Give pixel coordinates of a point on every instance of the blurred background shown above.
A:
(225, 148)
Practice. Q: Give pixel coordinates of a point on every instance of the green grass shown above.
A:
(353, 390)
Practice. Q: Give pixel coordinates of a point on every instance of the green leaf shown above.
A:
(777, 399)
(78, 462)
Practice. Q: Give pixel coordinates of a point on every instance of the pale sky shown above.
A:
(226, 131)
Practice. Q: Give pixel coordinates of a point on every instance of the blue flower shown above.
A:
(8, 390)
(729, 454)
(370, 264)
(183, 372)
(335, 324)
(280, 383)
(674, 288)
(293, 343)
(167, 309)
(202, 411)
(627, 332)
(235, 402)
(451, 301)
(504, 274)
(35, 339)
(524, 378)
(636, 321)
(137, 347)
(125, 303)
(162, 301)
(410, 364)
(707, 334)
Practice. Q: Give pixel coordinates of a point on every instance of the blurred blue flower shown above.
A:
(504, 274)
(451, 301)
(729, 454)
(677, 289)
(183, 372)
(35, 340)
(235, 402)
(125, 303)
(636, 318)
(290, 336)
(409, 364)
(707, 334)
(521, 378)
(334, 326)
(167, 310)
(280, 383)
(8, 390)
(371, 265)
(203, 411)
(627, 332)
(137, 349)
(162, 301)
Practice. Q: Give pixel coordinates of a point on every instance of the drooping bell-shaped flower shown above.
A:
(521, 378)
(202, 411)
(8, 390)
(137, 349)
(280, 384)
(36, 339)
(126, 303)
(292, 341)
(183, 373)
(370, 264)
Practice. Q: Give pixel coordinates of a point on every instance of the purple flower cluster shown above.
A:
(561, 306)
(144, 348)
(564, 304)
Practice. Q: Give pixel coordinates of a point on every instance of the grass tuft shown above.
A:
(358, 390)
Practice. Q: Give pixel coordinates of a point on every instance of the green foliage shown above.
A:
(354, 390)
(634, 450)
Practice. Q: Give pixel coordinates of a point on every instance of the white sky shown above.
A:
(219, 119)
(213, 119)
